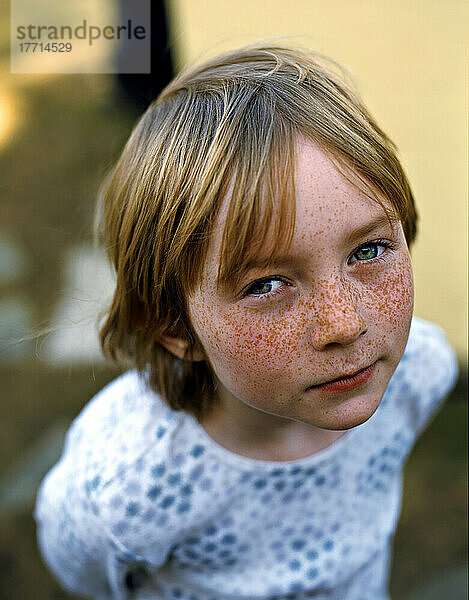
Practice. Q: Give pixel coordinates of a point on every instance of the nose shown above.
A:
(337, 317)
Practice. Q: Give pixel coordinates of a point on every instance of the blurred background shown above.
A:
(59, 134)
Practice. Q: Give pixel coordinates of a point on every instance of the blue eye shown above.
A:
(369, 251)
(264, 287)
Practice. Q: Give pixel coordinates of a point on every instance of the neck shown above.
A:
(256, 434)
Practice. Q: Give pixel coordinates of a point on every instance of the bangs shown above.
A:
(261, 214)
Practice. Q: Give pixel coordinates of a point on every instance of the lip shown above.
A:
(347, 382)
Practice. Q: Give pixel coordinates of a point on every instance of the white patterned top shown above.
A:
(144, 504)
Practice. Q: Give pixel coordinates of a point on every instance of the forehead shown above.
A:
(320, 172)
(330, 191)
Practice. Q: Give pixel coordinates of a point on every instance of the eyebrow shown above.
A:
(386, 220)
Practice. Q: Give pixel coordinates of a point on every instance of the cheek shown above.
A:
(240, 343)
(390, 301)
(398, 291)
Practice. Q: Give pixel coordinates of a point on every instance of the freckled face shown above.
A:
(340, 301)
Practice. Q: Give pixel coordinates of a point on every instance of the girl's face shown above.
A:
(288, 339)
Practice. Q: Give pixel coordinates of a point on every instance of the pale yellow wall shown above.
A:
(409, 61)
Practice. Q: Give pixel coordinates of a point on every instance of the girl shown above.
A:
(259, 222)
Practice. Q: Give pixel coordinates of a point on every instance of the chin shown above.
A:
(344, 417)
(345, 424)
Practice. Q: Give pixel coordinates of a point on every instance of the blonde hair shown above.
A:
(227, 126)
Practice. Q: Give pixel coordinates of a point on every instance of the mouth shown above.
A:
(347, 382)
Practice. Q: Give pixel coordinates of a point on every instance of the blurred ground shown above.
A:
(68, 130)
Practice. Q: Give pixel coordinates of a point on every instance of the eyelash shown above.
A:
(386, 244)
(268, 294)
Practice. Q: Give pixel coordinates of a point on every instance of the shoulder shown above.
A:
(120, 397)
(428, 358)
(116, 427)
(127, 398)
(121, 425)
(426, 373)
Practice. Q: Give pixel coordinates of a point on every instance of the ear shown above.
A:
(179, 347)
